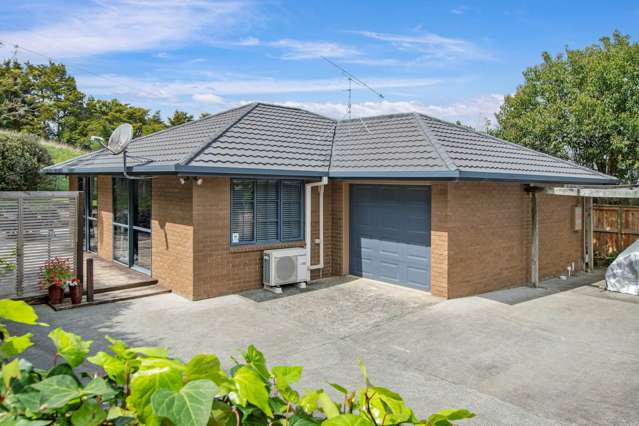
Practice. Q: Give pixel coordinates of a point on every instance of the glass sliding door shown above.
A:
(89, 188)
(142, 224)
(132, 223)
(121, 220)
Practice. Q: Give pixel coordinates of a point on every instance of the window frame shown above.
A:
(280, 221)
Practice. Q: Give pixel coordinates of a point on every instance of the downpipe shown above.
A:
(307, 222)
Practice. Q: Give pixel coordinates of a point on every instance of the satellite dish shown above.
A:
(120, 138)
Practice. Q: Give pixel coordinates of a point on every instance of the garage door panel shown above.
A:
(390, 234)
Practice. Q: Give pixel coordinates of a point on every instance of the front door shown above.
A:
(132, 223)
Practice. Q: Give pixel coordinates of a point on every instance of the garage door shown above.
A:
(390, 234)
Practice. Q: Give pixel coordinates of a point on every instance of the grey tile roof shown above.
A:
(270, 139)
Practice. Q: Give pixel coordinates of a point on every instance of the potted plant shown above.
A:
(75, 291)
(56, 276)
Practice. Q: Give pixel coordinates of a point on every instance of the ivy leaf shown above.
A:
(222, 415)
(190, 406)
(256, 359)
(252, 388)
(445, 417)
(338, 388)
(10, 371)
(113, 367)
(73, 348)
(347, 420)
(8, 420)
(18, 311)
(89, 414)
(57, 391)
(309, 400)
(30, 401)
(302, 419)
(329, 408)
(99, 387)
(146, 381)
(385, 405)
(284, 376)
(205, 367)
(149, 351)
(12, 346)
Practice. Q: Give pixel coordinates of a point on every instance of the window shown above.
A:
(266, 210)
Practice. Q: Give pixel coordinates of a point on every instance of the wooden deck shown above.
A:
(113, 283)
(109, 276)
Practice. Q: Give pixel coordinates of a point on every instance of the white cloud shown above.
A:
(297, 49)
(431, 45)
(473, 112)
(128, 25)
(112, 85)
(208, 98)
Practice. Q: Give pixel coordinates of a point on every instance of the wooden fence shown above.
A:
(34, 227)
(614, 228)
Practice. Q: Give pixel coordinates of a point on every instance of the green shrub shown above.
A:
(21, 158)
(144, 386)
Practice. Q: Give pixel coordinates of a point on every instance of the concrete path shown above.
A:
(565, 354)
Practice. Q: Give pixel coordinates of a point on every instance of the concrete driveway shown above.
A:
(567, 354)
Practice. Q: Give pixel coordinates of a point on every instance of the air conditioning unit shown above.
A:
(284, 266)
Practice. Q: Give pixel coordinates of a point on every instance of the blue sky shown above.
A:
(454, 60)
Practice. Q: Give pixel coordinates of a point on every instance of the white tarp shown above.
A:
(623, 273)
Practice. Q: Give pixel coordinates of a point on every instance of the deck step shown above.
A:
(114, 296)
(138, 284)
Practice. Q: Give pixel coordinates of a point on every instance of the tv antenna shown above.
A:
(118, 143)
(352, 78)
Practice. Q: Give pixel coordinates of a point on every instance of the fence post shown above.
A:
(20, 249)
(79, 233)
(89, 279)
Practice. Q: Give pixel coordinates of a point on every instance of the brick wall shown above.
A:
(105, 217)
(220, 268)
(172, 234)
(480, 237)
(490, 236)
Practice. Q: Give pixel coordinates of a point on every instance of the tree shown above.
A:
(103, 116)
(204, 115)
(581, 104)
(40, 99)
(179, 117)
(21, 158)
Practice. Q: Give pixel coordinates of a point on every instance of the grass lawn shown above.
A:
(59, 152)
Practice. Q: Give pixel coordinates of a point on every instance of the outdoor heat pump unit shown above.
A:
(284, 266)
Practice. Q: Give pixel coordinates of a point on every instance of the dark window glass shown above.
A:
(121, 244)
(142, 249)
(266, 210)
(142, 204)
(93, 205)
(121, 201)
(291, 211)
(93, 239)
(242, 210)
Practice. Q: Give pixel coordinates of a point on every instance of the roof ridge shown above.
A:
(450, 164)
(194, 153)
(524, 147)
(296, 108)
(330, 157)
(192, 122)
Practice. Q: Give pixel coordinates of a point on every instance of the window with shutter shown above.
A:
(291, 211)
(266, 210)
(242, 211)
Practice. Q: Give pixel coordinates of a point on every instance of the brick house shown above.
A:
(407, 199)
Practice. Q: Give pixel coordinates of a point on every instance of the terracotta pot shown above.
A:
(56, 294)
(76, 294)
